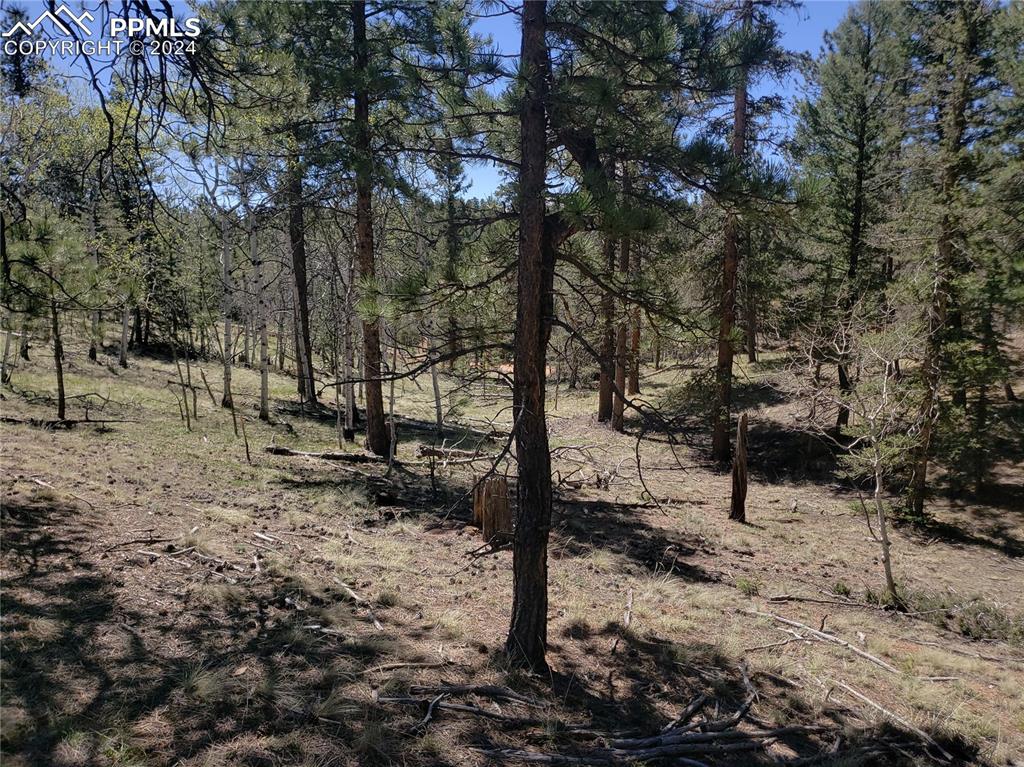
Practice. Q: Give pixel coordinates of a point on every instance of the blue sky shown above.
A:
(803, 29)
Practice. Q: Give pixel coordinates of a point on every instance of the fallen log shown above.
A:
(62, 423)
(425, 451)
(345, 457)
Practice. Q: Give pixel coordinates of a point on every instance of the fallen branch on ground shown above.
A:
(698, 744)
(43, 483)
(360, 601)
(824, 636)
(61, 423)
(392, 666)
(425, 451)
(148, 540)
(486, 690)
(466, 709)
(691, 710)
(345, 457)
(896, 718)
(782, 598)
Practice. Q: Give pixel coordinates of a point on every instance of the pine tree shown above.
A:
(952, 57)
(847, 138)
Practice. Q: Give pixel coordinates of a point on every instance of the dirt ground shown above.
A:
(168, 602)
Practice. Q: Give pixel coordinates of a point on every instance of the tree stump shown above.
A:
(738, 506)
(492, 512)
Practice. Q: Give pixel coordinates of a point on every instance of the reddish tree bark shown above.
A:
(720, 448)
(607, 361)
(377, 439)
(527, 637)
(297, 240)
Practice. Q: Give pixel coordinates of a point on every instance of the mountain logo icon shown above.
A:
(62, 18)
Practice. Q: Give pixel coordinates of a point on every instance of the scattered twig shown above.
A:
(149, 539)
(43, 483)
(429, 715)
(360, 601)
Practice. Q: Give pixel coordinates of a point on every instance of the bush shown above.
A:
(748, 587)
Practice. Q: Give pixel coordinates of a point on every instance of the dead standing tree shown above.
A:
(738, 502)
(885, 424)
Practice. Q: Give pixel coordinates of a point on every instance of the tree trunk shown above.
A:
(282, 337)
(376, 430)
(607, 361)
(527, 637)
(246, 337)
(350, 391)
(883, 532)
(392, 434)
(621, 332)
(94, 251)
(633, 383)
(262, 312)
(188, 376)
(5, 372)
(58, 359)
(951, 144)
(23, 341)
(452, 247)
(843, 416)
(856, 237)
(720, 449)
(297, 241)
(438, 414)
(738, 502)
(122, 352)
(136, 341)
(229, 338)
(751, 325)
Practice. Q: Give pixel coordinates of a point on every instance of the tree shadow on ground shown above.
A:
(999, 536)
(777, 453)
(219, 667)
(406, 429)
(580, 526)
(648, 681)
(113, 661)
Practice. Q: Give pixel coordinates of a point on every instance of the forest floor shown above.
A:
(167, 602)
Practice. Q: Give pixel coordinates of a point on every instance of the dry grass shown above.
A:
(115, 658)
